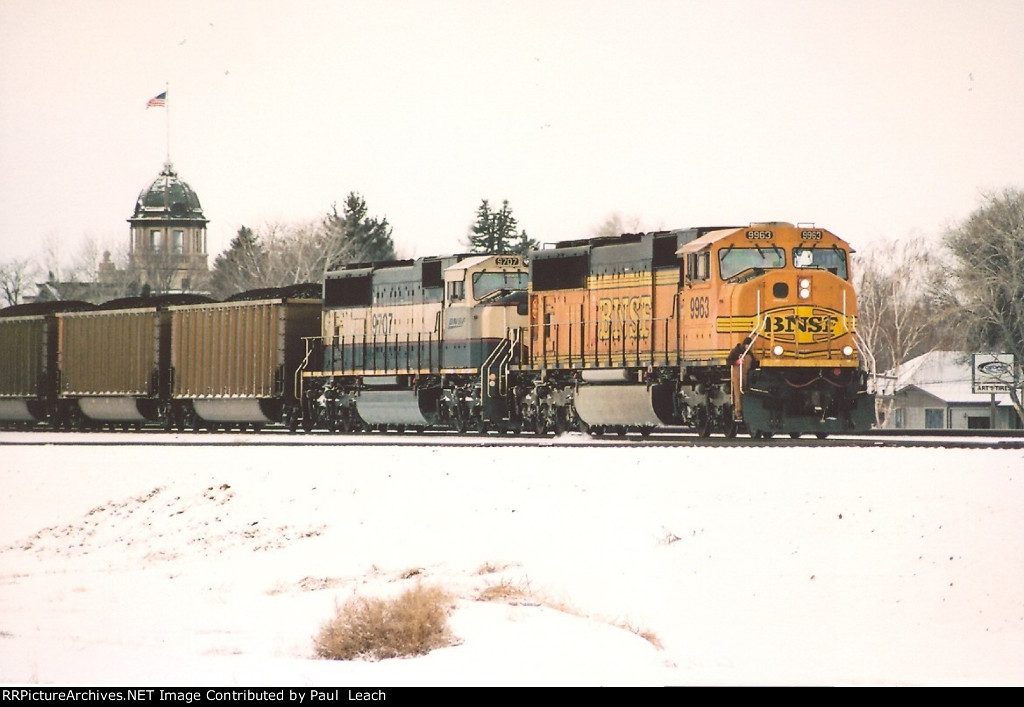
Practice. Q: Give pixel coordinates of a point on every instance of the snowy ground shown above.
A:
(217, 565)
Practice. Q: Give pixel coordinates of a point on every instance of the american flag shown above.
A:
(158, 101)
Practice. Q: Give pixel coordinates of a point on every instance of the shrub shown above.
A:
(414, 623)
(505, 590)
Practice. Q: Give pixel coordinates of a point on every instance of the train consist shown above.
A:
(717, 329)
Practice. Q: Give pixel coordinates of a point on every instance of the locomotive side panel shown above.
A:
(383, 320)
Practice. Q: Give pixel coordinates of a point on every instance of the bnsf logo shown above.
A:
(791, 323)
(620, 317)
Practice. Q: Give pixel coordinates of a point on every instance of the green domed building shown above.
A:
(168, 236)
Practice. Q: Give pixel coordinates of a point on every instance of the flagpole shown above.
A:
(167, 117)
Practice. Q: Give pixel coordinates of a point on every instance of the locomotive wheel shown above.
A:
(795, 435)
(821, 435)
(646, 431)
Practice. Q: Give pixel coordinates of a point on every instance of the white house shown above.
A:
(934, 391)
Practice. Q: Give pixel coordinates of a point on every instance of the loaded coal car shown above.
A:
(114, 361)
(716, 328)
(28, 362)
(236, 363)
(417, 343)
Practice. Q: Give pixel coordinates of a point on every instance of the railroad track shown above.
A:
(967, 439)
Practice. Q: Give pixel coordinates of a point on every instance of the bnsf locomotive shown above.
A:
(718, 329)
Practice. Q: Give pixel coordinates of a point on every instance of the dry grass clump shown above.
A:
(414, 623)
(505, 590)
(644, 633)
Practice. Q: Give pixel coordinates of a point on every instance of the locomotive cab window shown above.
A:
(456, 291)
(831, 259)
(698, 266)
(484, 283)
(736, 261)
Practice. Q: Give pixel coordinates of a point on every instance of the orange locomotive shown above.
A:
(715, 328)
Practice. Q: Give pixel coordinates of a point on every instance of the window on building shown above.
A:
(178, 242)
(978, 423)
(156, 238)
(934, 418)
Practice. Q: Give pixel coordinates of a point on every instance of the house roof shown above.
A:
(946, 375)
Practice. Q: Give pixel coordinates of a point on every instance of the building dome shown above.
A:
(168, 198)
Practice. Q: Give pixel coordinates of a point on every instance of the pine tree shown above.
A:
(352, 236)
(241, 267)
(495, 231)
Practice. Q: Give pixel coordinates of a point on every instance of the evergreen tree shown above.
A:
(495, 231)
(352, 236)
(241, 267)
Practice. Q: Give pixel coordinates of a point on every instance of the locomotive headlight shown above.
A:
(805, 288)
(847, 350)
(777, 349)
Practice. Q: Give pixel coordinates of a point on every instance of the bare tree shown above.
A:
(16, 278)
(615, 224)
(899, 287)
(279, 254)
(989, 277)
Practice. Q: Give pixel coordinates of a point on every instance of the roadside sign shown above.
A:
(993, 373)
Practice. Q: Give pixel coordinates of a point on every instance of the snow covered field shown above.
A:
(217, 565)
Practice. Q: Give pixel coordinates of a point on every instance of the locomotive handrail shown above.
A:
(605, 352)
(297, 385)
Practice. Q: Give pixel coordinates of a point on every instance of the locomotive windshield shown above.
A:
(831, 259)
(733, 261)
(484, 283)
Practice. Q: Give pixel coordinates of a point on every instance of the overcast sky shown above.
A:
(872, 119)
